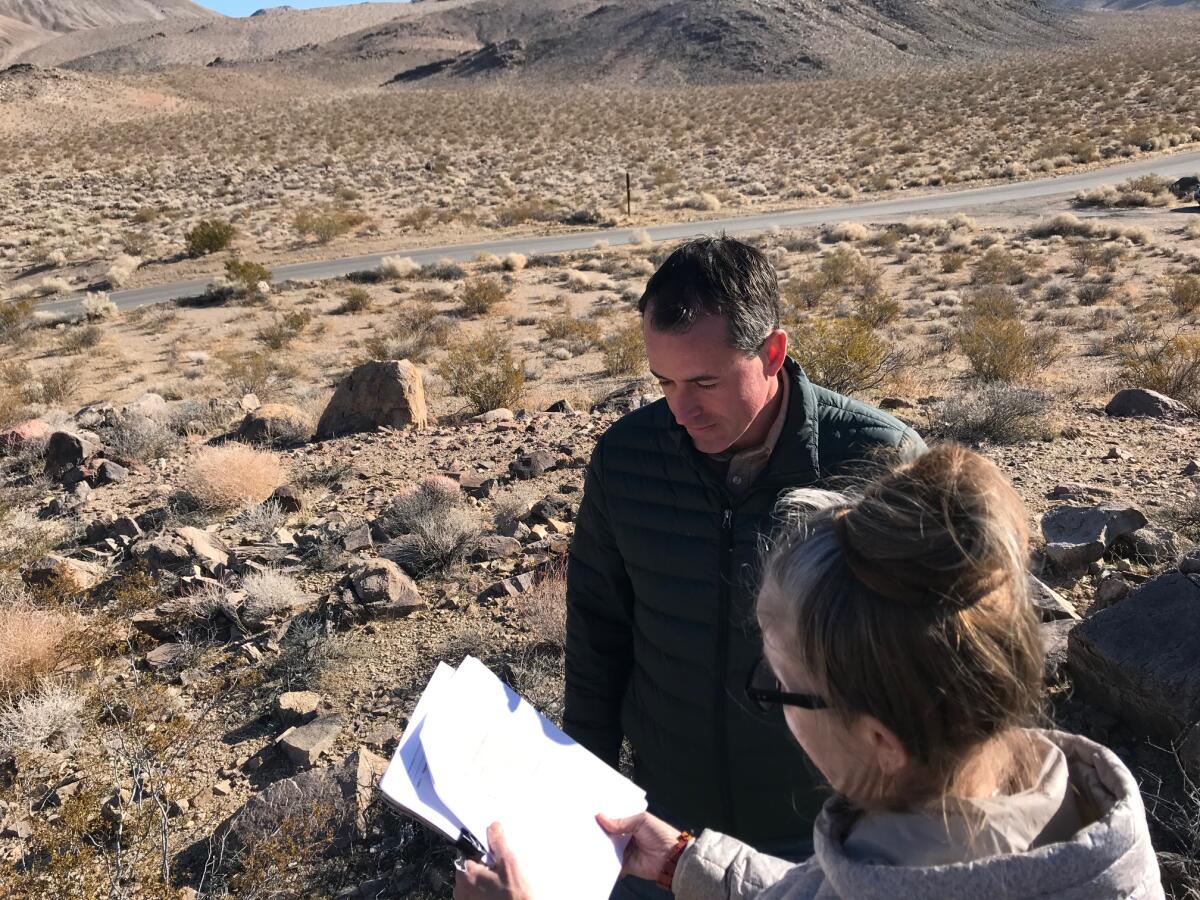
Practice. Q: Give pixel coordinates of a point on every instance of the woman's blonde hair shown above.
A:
(910, 603)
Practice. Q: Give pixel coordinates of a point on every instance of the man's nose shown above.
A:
(686, 407)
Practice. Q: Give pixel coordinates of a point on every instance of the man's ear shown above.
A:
(774, 352)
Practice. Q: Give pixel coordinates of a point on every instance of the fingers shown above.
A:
(627, 825)
(469, 879)
(497, 842)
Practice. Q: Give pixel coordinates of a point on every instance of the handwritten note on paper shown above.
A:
(492, 757)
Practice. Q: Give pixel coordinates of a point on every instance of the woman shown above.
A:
(901, 643)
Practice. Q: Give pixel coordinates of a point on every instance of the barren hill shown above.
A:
(16, 37)
(698, 41)
(73, 15)
(1131, 5)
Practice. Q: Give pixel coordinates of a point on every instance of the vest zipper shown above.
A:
(719, 699)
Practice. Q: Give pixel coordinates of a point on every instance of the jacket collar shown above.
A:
(795, 461)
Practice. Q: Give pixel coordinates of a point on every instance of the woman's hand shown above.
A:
(651, 841)
(503, 881)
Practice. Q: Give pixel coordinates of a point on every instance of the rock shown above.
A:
(337, 797)
(509, 587)
(495, 546)
(1074, 492)
(625, 399)
(289, 498)
(531, 465)
(249, 402)
(381, 737)
(1140, 402)
(153, 623)
(222, 788)
(1054, 641)
(1192, 468)
(109, 472)
(276, 424)
(897, 403)
(1049, 602)
(1138, 659)
(1189, 563)
(66, 451)
(166, 553)
(358, 539)
(1111, 589)
(297, 707)
(480, 486)
(29, 433)
(208, 550)
(165, 656)
(62, 573)
(1078, 535)
(148, 406)
(374, 394)
(1116, 453)
(554, 506)
(380, 582)
(1152, 545)
(304, 744)
(16, 827)
(492, 416)
(560, 406)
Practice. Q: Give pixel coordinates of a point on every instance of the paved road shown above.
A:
(1044, 188)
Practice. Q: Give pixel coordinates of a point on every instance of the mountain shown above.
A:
(1131, 5)
(74, 15)
(16, 37)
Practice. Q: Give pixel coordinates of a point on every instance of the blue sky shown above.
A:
(245, 7)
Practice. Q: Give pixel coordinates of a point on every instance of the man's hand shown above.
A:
(651, 841)
(503, 881)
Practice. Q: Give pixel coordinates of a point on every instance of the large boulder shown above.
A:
(277, 424)
(1140, 402)
(29, 433)
(67, 450)
(72, 575)
(1138, 658)
(381, 585)
(1079, 535)
(376, 393)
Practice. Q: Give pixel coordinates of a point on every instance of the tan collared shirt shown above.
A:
(746, 465)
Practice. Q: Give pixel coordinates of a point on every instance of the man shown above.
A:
(662, 574)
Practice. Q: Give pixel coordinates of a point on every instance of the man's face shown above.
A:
(714, 390)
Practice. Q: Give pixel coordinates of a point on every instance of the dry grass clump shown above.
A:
(999, 266)
(50, 719)
(122, 270)
(844, 270)
(1145, 190)
(479, 295)
(998, 344)
(845, 355)
(514, 262)
(624, 351)
(32, 642)
(268, 594)
(543, 610)
(15, 317)
(324, 223)
(399, 266)
(139, 438)
(283, 329)
(848, 231)
(1171, 367)
(1183, 292)
(98, 306)
(441, 530)
(997, 413)
(232, 476)
(578, 335)
(355, 300)
(484, 371)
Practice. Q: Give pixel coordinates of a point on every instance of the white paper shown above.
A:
(491, 757)
(407, 782)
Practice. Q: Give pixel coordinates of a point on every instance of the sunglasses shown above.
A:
(766, 691)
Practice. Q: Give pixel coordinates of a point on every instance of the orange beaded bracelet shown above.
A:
(667, 875)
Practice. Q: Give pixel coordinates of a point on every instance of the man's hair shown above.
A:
(716, 276)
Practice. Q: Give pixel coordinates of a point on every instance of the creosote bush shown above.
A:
(484, 372)
(1171, 367)
(232, 475)
(355, 300)
(1183, 291)
(997, 413)
(624, 351)
(997, 342)
(247, 275)
(283, 329)
(479, 295)
(844, 355)
(324, 223)
(209, 236)
(15, 316)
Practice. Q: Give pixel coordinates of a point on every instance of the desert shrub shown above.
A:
(50, 719)
(1183, 291)
(32, 641)
(442, 530)
(443, 270)
(624, 351)
(398, 266)
(209, 236)
(231, 476)
(98, 306)
(247, 275)
(843, 269)
(76, 340)
(526, 211)
(580, 335)
(1144, 190)
(122, 270)
(953, 260)
(996, 413)
(283, 329)
(355, 300)
(877, 309)
(263, 518)
(24, 537)
(1064, 225)
(15, 317)
(139, 438)
(998, 266)
(484, 372)
(259, 372)
(510, 506)
(998, 344)
(479, 295)
(417, 332)
(1171, 367)
(844, 355)
(514, 262)
(324, 223)
(848, 231)
(543, 610)
(269, 594)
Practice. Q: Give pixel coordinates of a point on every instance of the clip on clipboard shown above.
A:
(468, 845)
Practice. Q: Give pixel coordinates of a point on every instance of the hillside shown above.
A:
(16, 37)
(1131, 5)
(702, 41)
(74, 15)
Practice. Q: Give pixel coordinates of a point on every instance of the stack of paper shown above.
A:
(475, 753)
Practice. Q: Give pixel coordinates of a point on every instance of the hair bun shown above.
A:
(939, 533)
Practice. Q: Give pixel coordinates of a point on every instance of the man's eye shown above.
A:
(706, 386)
